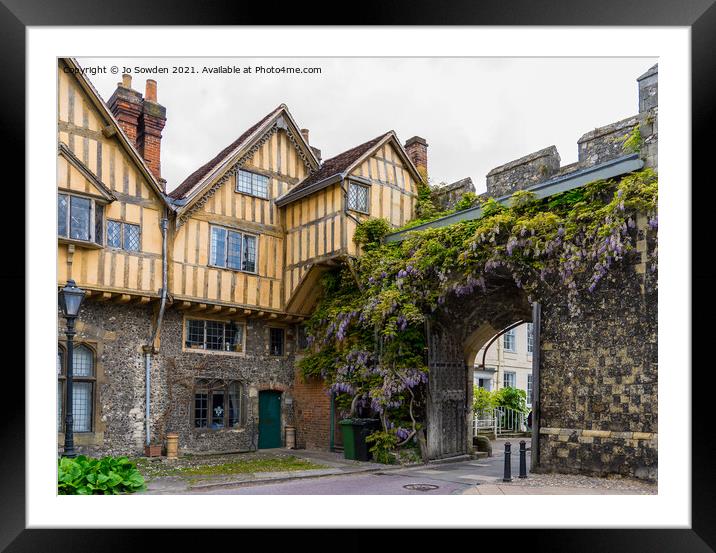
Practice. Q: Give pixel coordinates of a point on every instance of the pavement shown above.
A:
(468, 476)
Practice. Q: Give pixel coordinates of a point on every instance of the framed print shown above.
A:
(421, 261)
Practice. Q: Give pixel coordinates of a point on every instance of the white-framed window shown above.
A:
(253, 184)
(83, 386)
(79, 218)
(509, 340)
(509, 380)
(530, 338)
(217, 404)
(125, 236)
(358, 197)
(233, 250)
(529, 389)
(213, 335)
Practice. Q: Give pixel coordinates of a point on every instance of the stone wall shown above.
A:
(447, 196)
(598, 375)
(255, 369)
(116, 334)
(522, 173)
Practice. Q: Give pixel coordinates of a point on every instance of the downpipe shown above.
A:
(149, 348)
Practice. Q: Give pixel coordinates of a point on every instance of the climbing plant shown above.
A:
(367, 333)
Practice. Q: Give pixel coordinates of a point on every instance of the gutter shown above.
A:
(149, 347)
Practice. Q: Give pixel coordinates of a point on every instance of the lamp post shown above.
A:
(70, 300)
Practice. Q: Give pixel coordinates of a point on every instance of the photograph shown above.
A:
(357, 275)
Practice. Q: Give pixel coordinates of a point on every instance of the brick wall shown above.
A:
(312, 409)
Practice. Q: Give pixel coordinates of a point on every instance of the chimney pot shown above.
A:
(126, 80)
(304, 133)
(150, 92)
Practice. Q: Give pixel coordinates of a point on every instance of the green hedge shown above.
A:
(109, 475)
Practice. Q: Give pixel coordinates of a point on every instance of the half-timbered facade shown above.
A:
(195, 297)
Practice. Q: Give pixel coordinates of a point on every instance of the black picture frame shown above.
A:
(699, 15)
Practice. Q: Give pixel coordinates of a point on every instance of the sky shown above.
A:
(475, 113)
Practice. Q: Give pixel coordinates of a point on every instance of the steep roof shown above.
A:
(331, 167)
(183, 189)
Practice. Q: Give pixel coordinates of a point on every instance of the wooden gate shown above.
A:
(447, 395)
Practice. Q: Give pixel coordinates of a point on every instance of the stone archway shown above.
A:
(454, 336)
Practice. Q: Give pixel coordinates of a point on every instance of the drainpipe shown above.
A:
(149, 348)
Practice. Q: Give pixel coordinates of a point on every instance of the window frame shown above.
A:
(96, 207)
(92, 380)
(530, 338)
(252, 173)
(283, 341)
(367, 197)
(208, 386)
(514, 379)
(530, 385)
(242, 253)
(122, 233)
(512, 334)
(185, 332)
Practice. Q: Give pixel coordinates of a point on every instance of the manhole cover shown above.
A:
(421, 487)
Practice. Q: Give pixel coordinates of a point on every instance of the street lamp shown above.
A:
(70, 300)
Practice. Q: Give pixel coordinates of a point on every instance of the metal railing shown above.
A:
(500, 420)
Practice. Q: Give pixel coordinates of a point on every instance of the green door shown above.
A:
(269, 419)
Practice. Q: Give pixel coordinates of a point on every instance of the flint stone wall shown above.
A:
(598, 375)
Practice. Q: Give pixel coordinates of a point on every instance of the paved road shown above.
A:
(440, 479)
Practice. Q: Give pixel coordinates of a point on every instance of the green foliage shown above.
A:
(632, 141)
(109, 476)
(367, 330)
(370, 232)
(468, 200)
(512, 398)
(482, 399)
(383, 445)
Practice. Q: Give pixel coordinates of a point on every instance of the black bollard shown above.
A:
(523, 459)
(508, 465)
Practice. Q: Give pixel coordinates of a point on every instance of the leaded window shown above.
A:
(214, 335)
(79, 218)
(276, 341)
(252, 183)
(233, 250)
(217, 404)
(125, 236)
(358, 197)
(83, 386)
(301, 337)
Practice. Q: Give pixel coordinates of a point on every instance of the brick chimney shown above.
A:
(417, 149)
(151, 124)
(142, 119)
(126, 105)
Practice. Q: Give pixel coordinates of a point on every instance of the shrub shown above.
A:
(107, 476)
(513, 398)
(385, 443)
(482, 400)
(370, 232)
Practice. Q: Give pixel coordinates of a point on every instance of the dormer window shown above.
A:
(252, 183)
(358, 197)
(79, 218)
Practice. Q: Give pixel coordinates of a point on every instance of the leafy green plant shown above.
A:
(106, 476)
(384, 444)
(468, 200)
(369, 233)
(482, 399)
(512, 398)
(632, 141)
